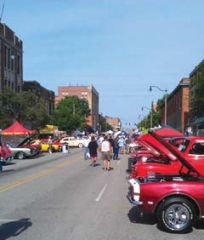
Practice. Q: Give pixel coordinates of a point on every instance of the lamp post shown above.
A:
(165, 101)
(150, 115)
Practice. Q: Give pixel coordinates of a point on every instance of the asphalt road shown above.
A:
(60, 196)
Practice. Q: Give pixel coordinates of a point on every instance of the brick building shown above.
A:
(87, 92)
(114, 122)
(178, 106)
(42, 93)
(11, 57)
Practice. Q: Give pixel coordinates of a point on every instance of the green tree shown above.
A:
(24, 107)
(71, 113)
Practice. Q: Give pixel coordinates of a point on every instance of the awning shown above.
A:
(199, 122)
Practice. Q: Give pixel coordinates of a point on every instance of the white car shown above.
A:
(73, 142)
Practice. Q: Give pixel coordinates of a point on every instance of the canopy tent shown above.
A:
(16, 129)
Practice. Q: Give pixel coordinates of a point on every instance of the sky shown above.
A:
(121, 47)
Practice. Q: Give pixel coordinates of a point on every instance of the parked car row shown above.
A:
(31, 147)
(167, 179)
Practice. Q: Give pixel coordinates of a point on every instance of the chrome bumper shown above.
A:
(132, 201)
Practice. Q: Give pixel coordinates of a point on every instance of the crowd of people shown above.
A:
(107, 147)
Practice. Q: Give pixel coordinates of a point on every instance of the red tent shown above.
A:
(16, 129)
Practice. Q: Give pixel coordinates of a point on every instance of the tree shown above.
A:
(24, 107)
(71, 113)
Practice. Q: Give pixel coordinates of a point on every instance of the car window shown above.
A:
(197, 148)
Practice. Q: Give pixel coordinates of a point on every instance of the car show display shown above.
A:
(176, 198)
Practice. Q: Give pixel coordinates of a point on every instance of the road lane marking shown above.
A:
(101, 193)
(37, 175)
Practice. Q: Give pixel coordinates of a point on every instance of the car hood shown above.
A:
(25, 141)
(174, 151)
(156, 147)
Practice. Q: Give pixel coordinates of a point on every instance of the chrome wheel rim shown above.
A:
(177, 216)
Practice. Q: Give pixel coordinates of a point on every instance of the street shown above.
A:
(61, 197)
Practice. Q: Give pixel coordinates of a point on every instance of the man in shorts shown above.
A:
(106, 153)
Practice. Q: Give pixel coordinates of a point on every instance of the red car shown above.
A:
(176, 199)
(159, 159)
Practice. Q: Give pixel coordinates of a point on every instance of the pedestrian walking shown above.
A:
(86, 142)
(115, 149)
(121, 143)
(93, 146)
(50, 144)
(106, 153)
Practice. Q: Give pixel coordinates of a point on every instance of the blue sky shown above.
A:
(121, 47)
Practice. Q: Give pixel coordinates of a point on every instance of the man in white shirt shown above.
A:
(86, 149)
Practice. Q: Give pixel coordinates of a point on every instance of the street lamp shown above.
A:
(165, 102)
(150, 115)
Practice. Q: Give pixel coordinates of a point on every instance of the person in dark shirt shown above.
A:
(93, 146)
(110, 139)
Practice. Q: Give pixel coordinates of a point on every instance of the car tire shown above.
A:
(20, 155)
(80, 145)
(176, 215)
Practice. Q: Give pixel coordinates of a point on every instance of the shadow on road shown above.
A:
(14, 228)
(136, 216)
(199, 224)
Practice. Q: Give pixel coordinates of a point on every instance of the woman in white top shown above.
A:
(106, 153)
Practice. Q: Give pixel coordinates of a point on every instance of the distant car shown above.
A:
(56, 146)
(6, 154)
(73, 142)
(30, 142)
(21, 152)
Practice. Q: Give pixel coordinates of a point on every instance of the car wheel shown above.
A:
(80, 145)
(20, 155)
(176, 215)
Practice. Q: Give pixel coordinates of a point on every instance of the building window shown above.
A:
(65, 94)
(19, 65)
(84, 94)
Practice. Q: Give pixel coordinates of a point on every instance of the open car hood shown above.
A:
(179, 155)
(156, 147)
(26, 141)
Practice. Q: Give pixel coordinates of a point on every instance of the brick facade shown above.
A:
(87, 92)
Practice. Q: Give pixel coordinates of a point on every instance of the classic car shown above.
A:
(160, 159)
(176, 199)
(56, 146)
(146, 151)
(21, 152)
(73, 142)
(30, 142)
(192, 148)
